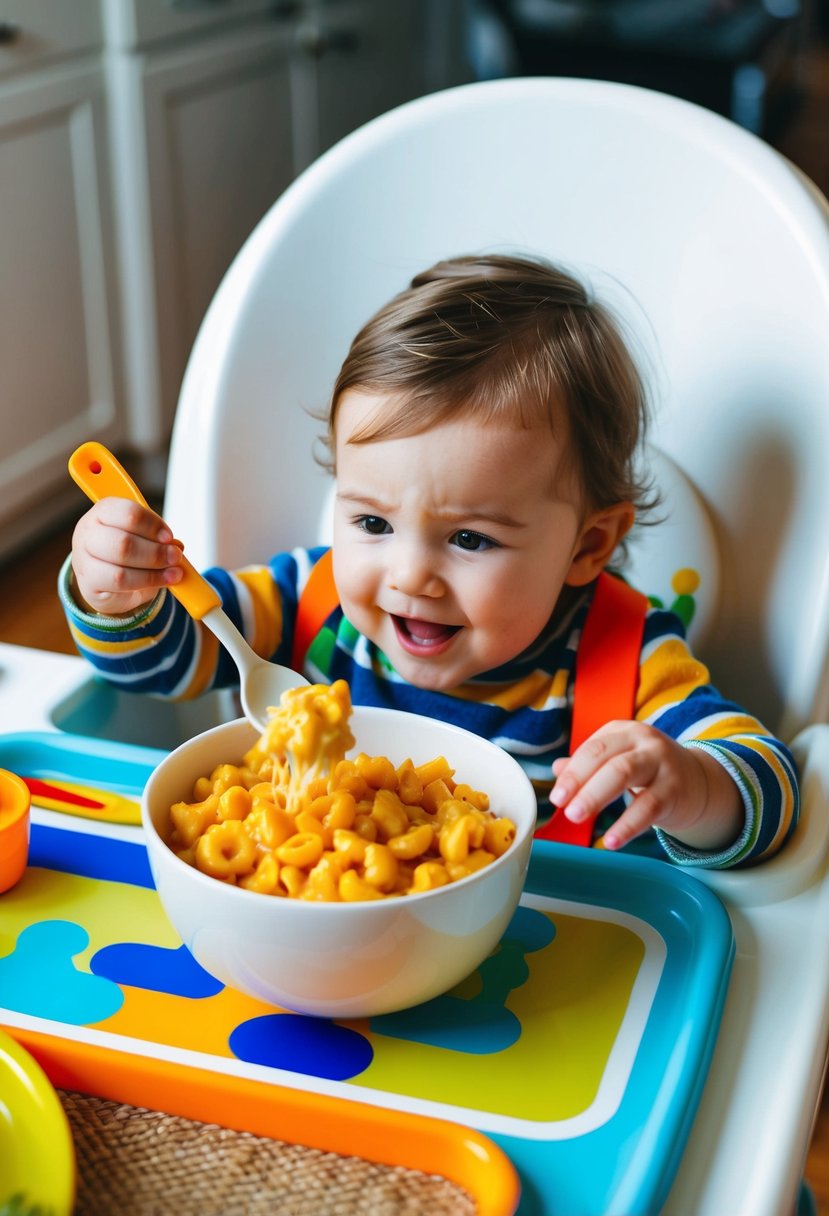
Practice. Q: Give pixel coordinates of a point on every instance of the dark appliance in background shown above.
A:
(736, 57)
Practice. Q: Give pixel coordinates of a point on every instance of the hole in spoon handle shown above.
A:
(100, 475)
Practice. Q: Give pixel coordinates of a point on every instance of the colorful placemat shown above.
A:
(579, 1048)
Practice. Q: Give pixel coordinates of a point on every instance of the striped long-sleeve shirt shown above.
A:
(524, 706)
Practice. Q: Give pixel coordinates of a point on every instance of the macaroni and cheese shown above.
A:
(297, 819)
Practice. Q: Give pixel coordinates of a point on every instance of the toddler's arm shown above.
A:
(683, 791)
(718, 787)
(122, 555)
(157, 648)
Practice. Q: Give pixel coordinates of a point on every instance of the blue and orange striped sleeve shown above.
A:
(161, 651)
(676, 696)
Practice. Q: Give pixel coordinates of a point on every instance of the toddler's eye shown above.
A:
(375, 525)
(472, 542)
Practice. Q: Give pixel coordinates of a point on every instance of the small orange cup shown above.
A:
(14, 828)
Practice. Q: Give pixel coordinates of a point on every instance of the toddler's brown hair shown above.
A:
(506, 339)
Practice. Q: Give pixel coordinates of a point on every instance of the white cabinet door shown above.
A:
(56, 288)
(202, 146)
(372, 55)
(132, 23)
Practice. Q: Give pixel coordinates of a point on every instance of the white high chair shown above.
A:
(713, 248)
(715, 252)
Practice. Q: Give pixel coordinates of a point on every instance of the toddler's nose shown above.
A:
(413, 573)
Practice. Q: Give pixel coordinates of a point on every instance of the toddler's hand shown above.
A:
(683, 790)
(122, 553)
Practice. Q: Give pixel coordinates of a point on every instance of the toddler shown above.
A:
(484, 431)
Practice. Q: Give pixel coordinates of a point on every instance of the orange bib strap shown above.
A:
(316, 603)
(607, 673)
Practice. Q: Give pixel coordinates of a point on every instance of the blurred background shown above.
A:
(141, 141)
(741, 58)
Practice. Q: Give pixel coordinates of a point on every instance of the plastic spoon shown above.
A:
(99, 475)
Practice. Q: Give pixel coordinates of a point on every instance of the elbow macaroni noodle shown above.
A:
(299, 820)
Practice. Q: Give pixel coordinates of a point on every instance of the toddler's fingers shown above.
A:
(573, 774)
(132, 517)
(623, 767)
(636, 819)
(116, 561)
(126, 551)
(121, 537)
(103, 580)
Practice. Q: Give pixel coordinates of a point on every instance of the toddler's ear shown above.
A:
(601, 534)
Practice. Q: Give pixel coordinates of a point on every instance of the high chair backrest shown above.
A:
(712, 249)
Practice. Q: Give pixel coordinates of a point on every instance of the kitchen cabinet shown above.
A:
(140, 143)
(368, 56)
(58, 326)
(201, 146)
(215, 109)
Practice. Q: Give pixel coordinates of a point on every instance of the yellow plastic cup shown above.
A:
(15, 801)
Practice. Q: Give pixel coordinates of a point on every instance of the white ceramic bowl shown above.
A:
(344, 959)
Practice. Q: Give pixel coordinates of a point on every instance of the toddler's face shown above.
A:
(451, 547)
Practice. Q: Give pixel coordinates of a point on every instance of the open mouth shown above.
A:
(423, 637)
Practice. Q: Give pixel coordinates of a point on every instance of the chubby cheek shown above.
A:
(512, 621)
(356, 588)
(498, 604)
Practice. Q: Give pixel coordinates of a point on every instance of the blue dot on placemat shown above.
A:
(40, 978)
(155, 968)
(314, 1047)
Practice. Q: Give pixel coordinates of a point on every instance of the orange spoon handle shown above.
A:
(99, 475)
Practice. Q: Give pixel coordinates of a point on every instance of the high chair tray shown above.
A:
(575, 1055)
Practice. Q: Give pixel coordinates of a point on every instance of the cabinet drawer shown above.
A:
(35, 32)
(133, 23)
